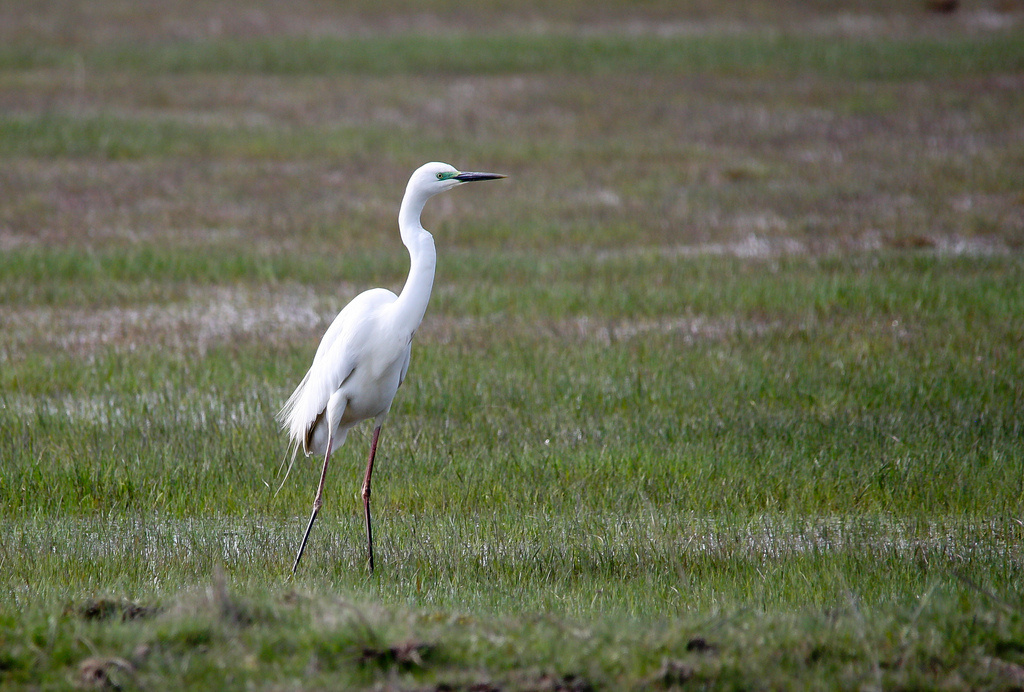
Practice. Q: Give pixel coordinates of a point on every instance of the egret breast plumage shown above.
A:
(364, 356)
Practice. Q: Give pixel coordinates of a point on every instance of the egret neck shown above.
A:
(412, 303)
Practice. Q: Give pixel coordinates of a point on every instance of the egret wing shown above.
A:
(336, 359)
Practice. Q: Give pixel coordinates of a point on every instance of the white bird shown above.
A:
(364, 356)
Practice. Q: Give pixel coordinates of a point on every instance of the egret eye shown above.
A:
(440, 176)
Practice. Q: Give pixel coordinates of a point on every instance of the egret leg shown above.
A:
(317, 503)
(366, 496)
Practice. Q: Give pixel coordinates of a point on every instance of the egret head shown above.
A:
(434, 177)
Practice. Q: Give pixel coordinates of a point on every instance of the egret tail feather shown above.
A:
(288, 471)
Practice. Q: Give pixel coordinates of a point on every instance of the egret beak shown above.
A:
(470, 177)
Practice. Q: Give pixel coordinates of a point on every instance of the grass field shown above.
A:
(722, 388)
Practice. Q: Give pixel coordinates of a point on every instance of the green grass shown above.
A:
(755, 55)
(722, 388)
(693, 488)
(111, 138)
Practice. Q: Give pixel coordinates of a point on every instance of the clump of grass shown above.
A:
(319, 638)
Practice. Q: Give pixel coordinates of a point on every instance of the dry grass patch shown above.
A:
(208, 317)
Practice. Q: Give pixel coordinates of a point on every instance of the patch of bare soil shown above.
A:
(112, 609)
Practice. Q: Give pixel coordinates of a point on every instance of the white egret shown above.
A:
(364, 355)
